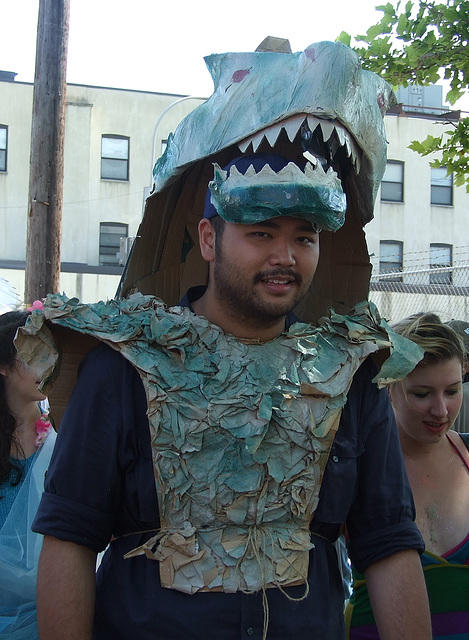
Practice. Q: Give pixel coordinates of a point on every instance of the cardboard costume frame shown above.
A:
(319, 101)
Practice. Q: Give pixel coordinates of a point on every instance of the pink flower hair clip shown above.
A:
(37, 304)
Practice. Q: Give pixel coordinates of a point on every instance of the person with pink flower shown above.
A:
(26, 443)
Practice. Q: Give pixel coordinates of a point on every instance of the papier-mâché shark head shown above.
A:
(318, 106)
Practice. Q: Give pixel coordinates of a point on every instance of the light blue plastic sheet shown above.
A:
(19, 553)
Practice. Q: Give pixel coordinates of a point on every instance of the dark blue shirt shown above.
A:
(100, 484)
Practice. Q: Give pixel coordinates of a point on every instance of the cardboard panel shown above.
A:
(72, 347)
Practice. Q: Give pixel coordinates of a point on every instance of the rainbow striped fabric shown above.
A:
(447, 581)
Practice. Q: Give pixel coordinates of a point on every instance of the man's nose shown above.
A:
(282, 253)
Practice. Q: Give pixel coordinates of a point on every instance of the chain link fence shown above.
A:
(418, 287)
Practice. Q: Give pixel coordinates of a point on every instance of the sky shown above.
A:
(159, 45)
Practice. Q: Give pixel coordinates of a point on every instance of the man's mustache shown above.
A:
(287, 273)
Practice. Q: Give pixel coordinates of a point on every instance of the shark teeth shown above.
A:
(290, 173)
(327, 127)
(292, 125)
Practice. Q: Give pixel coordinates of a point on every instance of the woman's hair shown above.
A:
(438, 340)
(9, 323)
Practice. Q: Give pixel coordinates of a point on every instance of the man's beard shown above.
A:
(238, 296)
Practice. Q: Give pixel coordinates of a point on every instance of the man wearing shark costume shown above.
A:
(263, 435)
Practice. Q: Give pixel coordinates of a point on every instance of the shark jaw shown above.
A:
(253, 196)
(325, 141)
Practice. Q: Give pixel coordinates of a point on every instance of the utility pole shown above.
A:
(47, 151)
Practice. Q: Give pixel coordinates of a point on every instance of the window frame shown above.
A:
(386, 183)
(114, 262)
(4, 168)
(400, 262)
(112, 159)
(443, 277)
(437, 188)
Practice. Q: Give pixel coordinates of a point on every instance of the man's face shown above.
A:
(262, 271)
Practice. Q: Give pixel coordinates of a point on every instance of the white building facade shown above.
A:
(421, 226)
(112, 138)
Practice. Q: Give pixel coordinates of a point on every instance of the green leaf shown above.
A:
(344, 38)
(429, 145)
(375, 31)
(403, 25)
(420, 29)
(388, 9)
(459, 179)
(430, 39)
(454, 94)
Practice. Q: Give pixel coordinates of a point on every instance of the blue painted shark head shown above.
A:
(318, 109)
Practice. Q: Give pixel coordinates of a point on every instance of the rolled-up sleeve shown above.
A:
(365, 484)
(93, 475)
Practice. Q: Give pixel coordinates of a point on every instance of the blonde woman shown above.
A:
(426, 404)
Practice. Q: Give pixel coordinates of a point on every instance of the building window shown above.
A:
(442, 186)
(390, 259)
(392, 185)
(110, 234)
(114, 157)
(3, 147)
(441, 255)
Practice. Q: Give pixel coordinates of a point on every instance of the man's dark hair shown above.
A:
(218, 225)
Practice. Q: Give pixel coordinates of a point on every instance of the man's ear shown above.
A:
(207, 240)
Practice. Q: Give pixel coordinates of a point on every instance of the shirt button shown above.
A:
(249, 631)
(335, 459)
